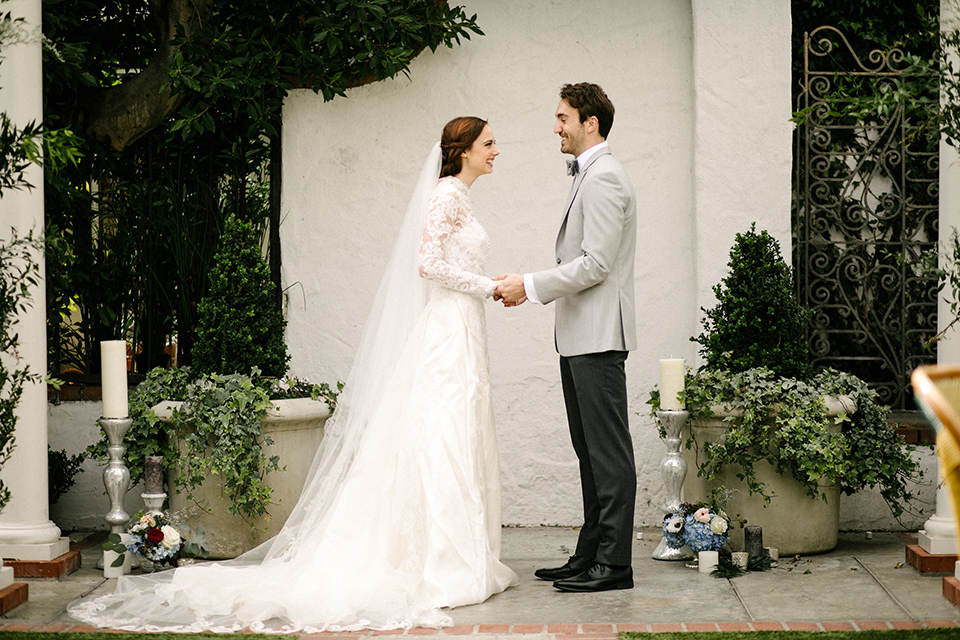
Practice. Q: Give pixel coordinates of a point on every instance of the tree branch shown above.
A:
(121, 114)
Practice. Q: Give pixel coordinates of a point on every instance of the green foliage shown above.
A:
(757, 321)
(148, 435)
(218, 423)
(240, 328)
(947, 273)
(19, 273)
(62, 470)
(220, 426)
(785, 422)
(247, 55)
(22, 147)
(880, 27)
(137, 229)
(19, 150)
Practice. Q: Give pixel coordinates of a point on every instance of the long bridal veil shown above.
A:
(281, 579)
(397, 308)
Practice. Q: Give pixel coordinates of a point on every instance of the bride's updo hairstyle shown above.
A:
(458, 135)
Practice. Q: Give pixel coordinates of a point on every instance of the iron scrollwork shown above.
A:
(865, 217)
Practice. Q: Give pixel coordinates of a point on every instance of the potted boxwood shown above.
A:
(787, 439)
(232, 418)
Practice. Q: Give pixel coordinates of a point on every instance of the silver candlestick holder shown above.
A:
(673, 469)
(116, 476)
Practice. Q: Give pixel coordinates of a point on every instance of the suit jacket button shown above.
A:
(558, 260)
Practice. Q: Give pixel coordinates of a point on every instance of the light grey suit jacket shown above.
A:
(593, 280)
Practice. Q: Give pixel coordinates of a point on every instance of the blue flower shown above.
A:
(699, 537)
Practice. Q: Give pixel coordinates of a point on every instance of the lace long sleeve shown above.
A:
(443, 219)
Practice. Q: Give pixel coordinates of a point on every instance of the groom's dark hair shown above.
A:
(589, 100)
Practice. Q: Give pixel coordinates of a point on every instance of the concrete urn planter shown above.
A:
(792, 521)
(296, 427)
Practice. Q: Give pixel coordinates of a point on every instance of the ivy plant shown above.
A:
(218, 424)
(785, 422)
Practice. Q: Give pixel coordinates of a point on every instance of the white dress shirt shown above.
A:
(528, 289)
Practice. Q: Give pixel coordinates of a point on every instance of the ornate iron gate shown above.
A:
(865, 216)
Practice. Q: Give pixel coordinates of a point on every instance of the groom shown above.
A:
(593, 287)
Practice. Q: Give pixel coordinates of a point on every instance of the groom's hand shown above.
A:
(510, 289)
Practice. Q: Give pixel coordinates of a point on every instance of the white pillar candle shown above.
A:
(672, 371)
(707, 561)
(113, 378)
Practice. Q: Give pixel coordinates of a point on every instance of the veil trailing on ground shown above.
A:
(218, 598)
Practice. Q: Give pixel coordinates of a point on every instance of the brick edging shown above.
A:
(571, 631)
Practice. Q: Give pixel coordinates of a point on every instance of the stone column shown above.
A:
(939, 533)
(26, 532)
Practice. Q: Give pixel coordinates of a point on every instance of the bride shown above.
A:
(400, 514)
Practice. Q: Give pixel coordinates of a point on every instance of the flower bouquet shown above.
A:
(697, 527)
(704, 530)
(151, 537)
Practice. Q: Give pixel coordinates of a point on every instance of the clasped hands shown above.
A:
(509, 289)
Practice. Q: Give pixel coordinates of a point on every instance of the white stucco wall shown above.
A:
(350, 165)
(702, 127)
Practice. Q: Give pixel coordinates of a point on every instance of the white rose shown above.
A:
(171, 537)
(718, 525)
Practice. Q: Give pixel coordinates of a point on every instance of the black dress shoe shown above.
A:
(574, 566)
(598, 577)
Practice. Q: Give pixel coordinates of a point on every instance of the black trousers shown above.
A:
(595, 394)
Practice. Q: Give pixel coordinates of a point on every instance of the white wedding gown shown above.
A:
(392, 530)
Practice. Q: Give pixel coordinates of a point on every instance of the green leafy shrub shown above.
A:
(240, 327)
(758, 372)
(62, 470)
(18, 274)
(758, 321)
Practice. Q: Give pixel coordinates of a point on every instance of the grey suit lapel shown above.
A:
(575, 188)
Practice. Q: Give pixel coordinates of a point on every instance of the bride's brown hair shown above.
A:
(458, 135)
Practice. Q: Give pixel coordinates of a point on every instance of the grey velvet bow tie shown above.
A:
(573, 167)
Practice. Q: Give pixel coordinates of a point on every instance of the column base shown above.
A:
(925, 562)
(937, 545)
(12, 597)
(36, 552)
(951, 589)
(56, 568)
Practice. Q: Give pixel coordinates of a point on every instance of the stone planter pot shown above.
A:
(296, 427)
(792, 521)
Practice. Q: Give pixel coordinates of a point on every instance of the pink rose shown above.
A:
(702, 515)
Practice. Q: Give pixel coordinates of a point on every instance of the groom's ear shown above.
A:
(591, 124)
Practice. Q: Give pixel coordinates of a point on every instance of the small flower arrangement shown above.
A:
(152, 537)
(697, 527)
